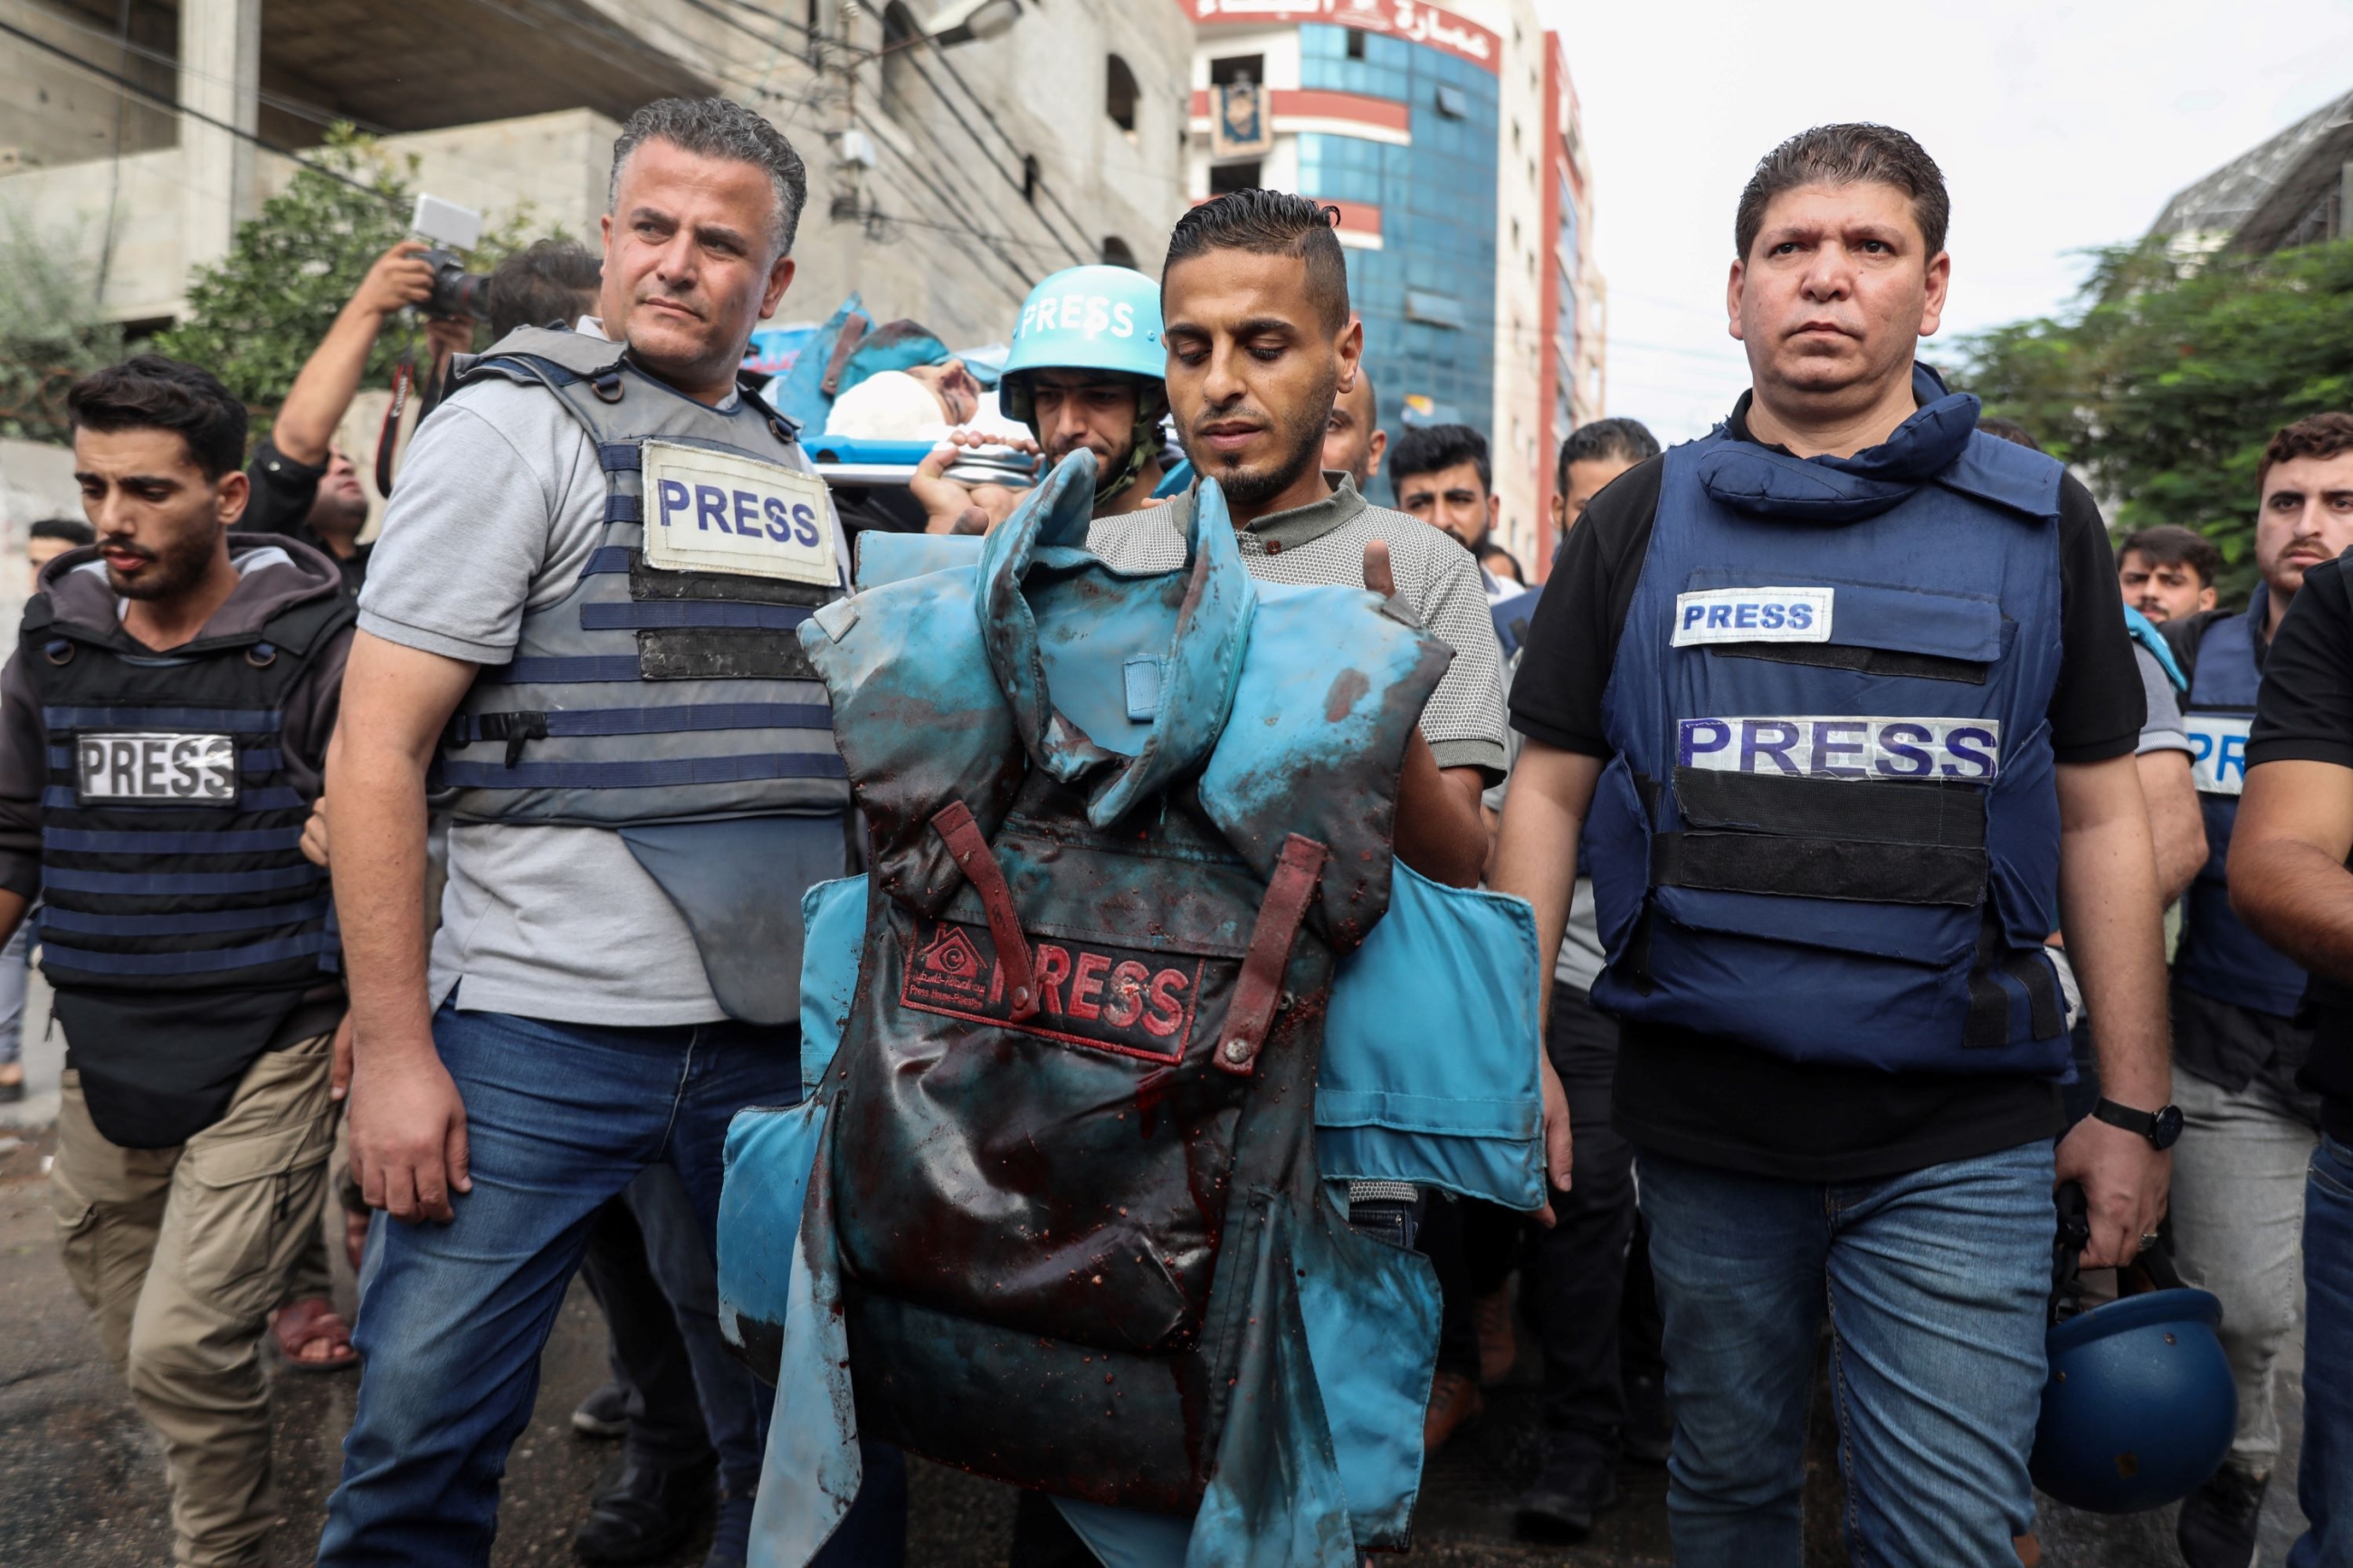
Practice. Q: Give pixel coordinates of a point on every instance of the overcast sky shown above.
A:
(2058, 127)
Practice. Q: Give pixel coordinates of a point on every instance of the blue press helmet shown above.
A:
(1085, 318)
(2139, 1407)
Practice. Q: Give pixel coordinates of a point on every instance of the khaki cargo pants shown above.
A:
(183, 1253)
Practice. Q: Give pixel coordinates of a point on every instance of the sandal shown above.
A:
(302, 1324)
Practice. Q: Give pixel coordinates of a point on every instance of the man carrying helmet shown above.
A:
(1084, 372)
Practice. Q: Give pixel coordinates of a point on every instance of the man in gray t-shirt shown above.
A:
(582, 1015)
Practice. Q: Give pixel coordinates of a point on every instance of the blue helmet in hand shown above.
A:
(2139, 1407)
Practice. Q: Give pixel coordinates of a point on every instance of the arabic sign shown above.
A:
(1412, 20)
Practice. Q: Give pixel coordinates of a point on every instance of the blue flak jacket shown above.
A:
(1830, 827)
(2219, 956)
(1063, 1241)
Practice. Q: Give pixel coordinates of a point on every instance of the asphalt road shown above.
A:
(82, 1482)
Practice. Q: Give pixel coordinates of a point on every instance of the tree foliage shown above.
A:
(255, 315)
(2169, 375)
(50, 327)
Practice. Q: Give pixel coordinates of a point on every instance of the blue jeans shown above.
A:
(1936, 1283)
(2324, 1480)
(559, 1119)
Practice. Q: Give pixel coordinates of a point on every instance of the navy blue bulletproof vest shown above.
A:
(1830, 828)
(2219, 957)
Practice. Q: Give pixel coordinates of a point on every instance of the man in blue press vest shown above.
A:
(580, 622)
(1841, 702)
(2247, 1127)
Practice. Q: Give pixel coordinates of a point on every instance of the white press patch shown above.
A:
(718, 512)
(2218, 754)
(1753, 614)
(1843, 746)
(155, 767)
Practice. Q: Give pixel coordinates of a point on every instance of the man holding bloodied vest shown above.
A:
(1839, 700)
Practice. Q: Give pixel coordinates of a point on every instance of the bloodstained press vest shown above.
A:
(665, 696)
(1830, 829)
(2219, 956)
(1066, 1203)
(180, 922)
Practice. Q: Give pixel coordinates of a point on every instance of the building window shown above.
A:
(1120, 93)
(1116, 253)
(1436, 310)
(1234, 69)
(901, 32)
(1225, 179)
(1356, 43)
(1030, 178)
(1451, 102)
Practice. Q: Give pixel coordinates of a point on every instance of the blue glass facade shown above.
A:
(1437, 265)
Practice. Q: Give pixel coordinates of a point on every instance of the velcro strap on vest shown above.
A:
(1885, 661)
(619, 508)
(1260, 986)
(619, 456)
(2000, 973)
(1786, 866)
(1862, 810)
(953, 823)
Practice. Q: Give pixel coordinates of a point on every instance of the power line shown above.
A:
(151, 96)
(989, 115)
(1079, 252)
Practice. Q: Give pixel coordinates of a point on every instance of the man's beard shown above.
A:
(1106, 463)
(1303, 449)
(169, 572)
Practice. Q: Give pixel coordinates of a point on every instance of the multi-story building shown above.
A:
(2295, 189)
(958, 149)
(1448, 139)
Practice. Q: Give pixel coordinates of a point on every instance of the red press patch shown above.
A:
(1109, 998)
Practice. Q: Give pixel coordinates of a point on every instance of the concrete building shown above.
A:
(1448, 138)
(2295, 189)
(943, 180)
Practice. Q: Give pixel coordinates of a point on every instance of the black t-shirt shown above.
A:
(282, 494)
(1718, 1102)
(2305, 714)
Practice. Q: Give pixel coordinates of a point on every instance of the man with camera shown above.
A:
(302, 487)
(600, 544)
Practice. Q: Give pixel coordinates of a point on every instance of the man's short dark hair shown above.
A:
(148, 392)
(1269, 223)
(2170, 544)
(1849, 154)
(72, 530)
(549, 283)
(1601, 440)
(2320, 436)
(2010, 430)
(1426, 448)
(720, 128)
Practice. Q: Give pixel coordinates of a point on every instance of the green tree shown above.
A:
(2170, 373)
(255, 316)
(50, 327)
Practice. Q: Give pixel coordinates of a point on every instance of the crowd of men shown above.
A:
(485, 843)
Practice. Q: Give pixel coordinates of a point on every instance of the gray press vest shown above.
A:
(676, 706)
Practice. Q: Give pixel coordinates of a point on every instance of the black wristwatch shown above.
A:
(2160, 1127)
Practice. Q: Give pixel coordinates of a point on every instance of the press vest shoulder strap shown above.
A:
(2008, 474)
(2143, 630)
(575, 354)
(2224, 669)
